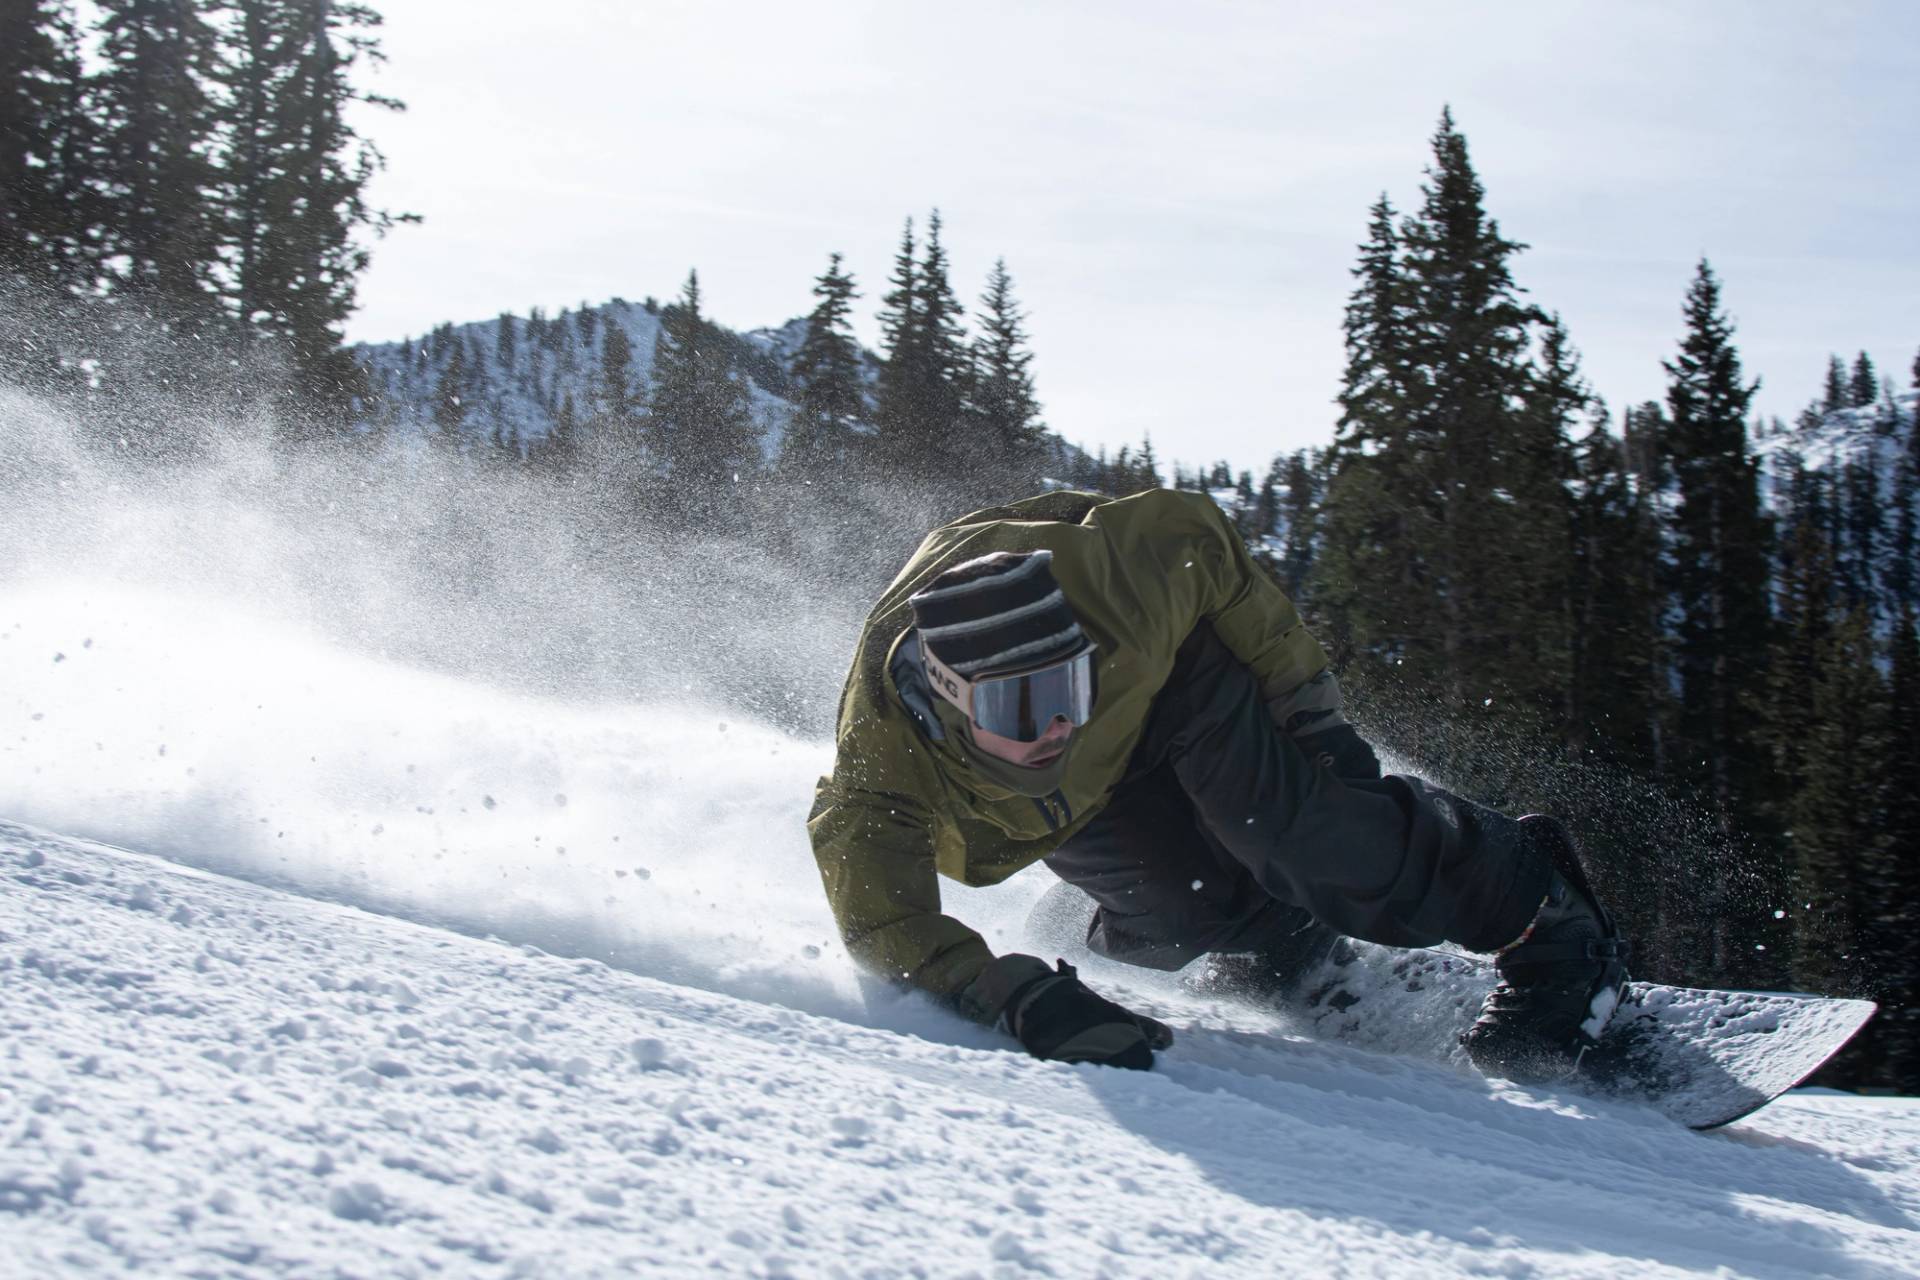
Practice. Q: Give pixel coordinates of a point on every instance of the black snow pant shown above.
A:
(1225, 837)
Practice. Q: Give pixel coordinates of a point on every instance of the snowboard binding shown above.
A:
(1560, 982)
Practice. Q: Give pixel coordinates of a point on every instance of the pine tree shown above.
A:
(1365, 584)
(1302, 508)
(293, 177)
(1003, 394)
(1643, 434)
(1903, 547)
(820, 439)
(1807, 594)
(1837, 393)
(1719, 582)
(157, 127)
(45, 143)
(700, 424)
(1614, 633)
(1617, 716)
(1863, 387)
(949, 363)
(1244, 502)
(1266, 505)
(505, 340)
(616, 403)
(255, 171)
(1839, 820)
(1147, 469)
(1538, 470)
(1644, 431)
(1470, 341)
(1893, 879)
(1886, 411)
(903, 370)
(1862, 532)
(1374, 398)
(1903, 565)
(450, 403)
(1443, 499)
(924, 382)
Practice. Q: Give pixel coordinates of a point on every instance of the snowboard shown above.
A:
(1704, 1057)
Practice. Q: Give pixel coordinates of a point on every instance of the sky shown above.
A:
(1177, 190)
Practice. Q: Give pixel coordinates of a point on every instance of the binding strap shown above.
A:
(1606, 950)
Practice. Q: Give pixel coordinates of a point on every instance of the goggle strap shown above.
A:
(955, 688)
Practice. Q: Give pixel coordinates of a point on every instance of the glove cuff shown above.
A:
(1316, 704)
(991, 994)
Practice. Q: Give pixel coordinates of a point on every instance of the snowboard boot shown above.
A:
(1559, 981)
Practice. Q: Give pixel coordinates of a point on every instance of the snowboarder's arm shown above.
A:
(1209, 576)
(876, 859)
(1203, 554)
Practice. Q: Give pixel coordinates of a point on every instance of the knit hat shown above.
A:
(998, 613)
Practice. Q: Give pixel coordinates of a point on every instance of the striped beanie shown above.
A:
(1002, 612)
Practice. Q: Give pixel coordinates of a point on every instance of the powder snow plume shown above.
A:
(409, 684)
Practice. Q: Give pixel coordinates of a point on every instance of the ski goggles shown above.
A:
(1020, 704)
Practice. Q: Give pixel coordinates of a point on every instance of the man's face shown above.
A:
(1028, 755)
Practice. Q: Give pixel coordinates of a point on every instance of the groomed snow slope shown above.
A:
(432, 979)
(210, 1077)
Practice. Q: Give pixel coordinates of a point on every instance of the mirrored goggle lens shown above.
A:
(1021, 707)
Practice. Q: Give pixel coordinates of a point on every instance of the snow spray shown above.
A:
(410, 682)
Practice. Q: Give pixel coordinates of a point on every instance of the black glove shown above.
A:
(1056, 1016)
(1342, 750)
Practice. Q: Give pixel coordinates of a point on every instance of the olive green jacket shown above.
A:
(1140, 573)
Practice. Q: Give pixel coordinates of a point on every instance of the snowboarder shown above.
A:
(1113, 686)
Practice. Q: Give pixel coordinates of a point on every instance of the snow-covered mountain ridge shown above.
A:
(1846, 434)
(518, 388)
(1871, 436)
(545, 370)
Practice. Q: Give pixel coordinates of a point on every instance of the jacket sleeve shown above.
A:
(876, 857)
(1203, 554)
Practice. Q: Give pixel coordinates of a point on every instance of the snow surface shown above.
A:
(210, 1077)
(434, 979)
